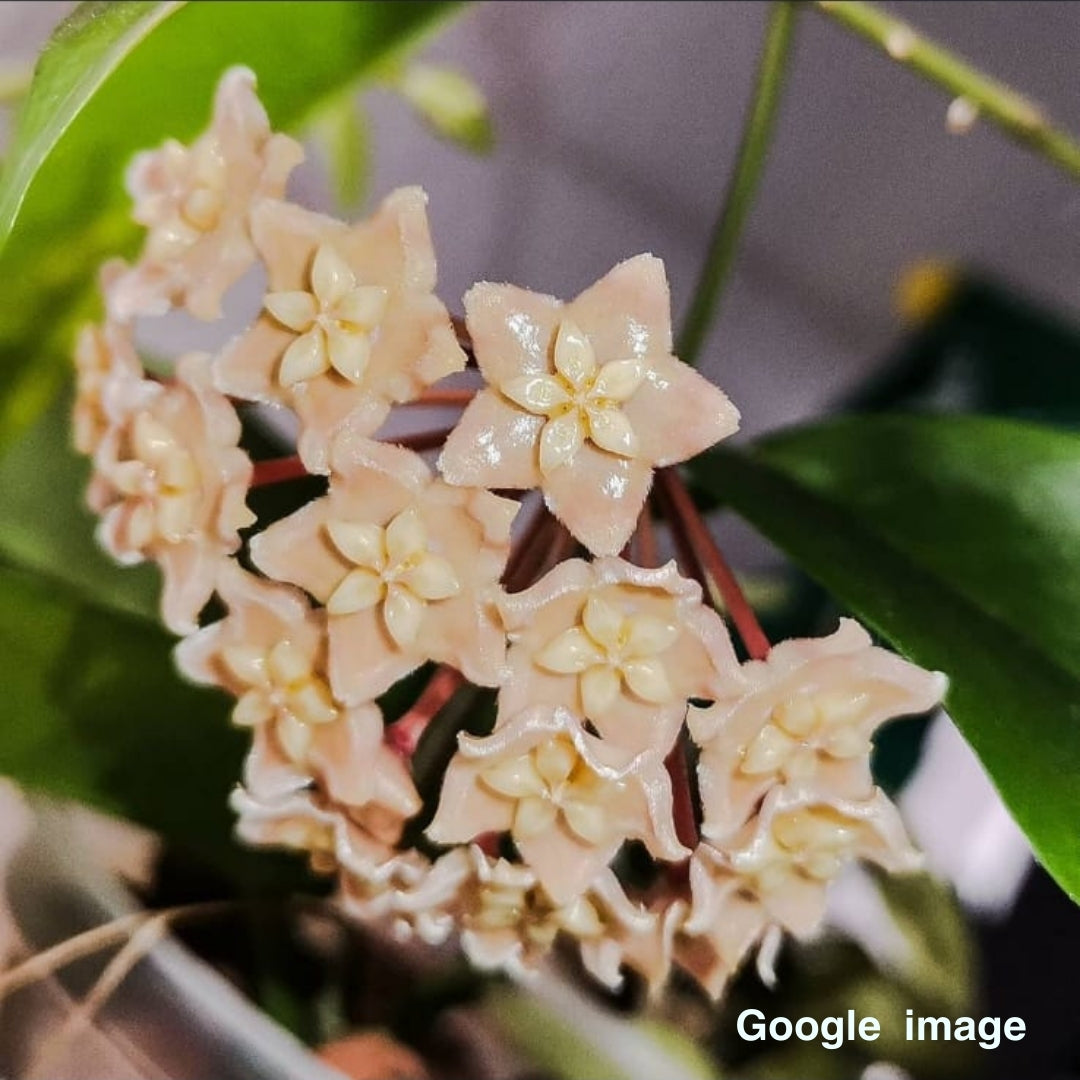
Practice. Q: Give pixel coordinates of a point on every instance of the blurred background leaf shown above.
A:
(106, 86)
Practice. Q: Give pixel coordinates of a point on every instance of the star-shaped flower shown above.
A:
(353, 796)
(568, 799)
(789, 853)
(195, 200)
(407, 567)
(105, 359)
(269, 652)
(508, 919)
(172, 482)
(622, 646)
(350, 322)
(804, 717)
(584, 400)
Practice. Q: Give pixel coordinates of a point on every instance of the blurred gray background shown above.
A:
(617, 124)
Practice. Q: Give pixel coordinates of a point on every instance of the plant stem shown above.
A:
(683, 801)
(1017, 116)
(712, 561)
(403, 734)
(276, 470)
(742, 187)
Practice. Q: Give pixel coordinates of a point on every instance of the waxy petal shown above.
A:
(359, 590)
(361, 543)
(648, 679)
(433, 578)
(618, 380)
(295, 310)
(599, 690)
(611, 430)
(540, 394)
(570, 653)
(573, 355)
(304, 359)
(560, 441)
(349, 352)
(331, 276)
(403, 612)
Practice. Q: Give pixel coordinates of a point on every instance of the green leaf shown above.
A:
(119, 77)
(957, 539)
(44, 526)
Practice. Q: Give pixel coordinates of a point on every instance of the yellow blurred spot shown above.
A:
(924, 290)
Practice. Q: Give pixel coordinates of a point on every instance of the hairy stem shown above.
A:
(686, 517)
(1017, 116)
(743, 185)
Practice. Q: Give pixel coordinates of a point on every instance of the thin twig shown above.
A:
(43, 964)
(743, 185)
(714, 564)
(137, 947)
(1017, 116)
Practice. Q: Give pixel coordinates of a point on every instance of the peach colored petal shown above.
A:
(195, 202)
(364, 660)
(512, 330)
(411, 345)
(698, 661)
(627, 313)
(358, 768)
(599, 497)
(633, 793)
(677, 413)
(850, 687)
(298, 550)
(493, 445)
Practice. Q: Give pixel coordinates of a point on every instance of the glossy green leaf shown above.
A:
(119, 77)
(958, 539)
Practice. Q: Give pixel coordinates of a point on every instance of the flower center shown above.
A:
(552, 782)
(609, 650)
(805, 728)
(393, 567)
(582, 400)
(336, 321)
(161, 478)
(512, 905)
(812, 842)
(284, 688)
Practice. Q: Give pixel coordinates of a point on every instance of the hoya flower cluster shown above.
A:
(613, 681)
